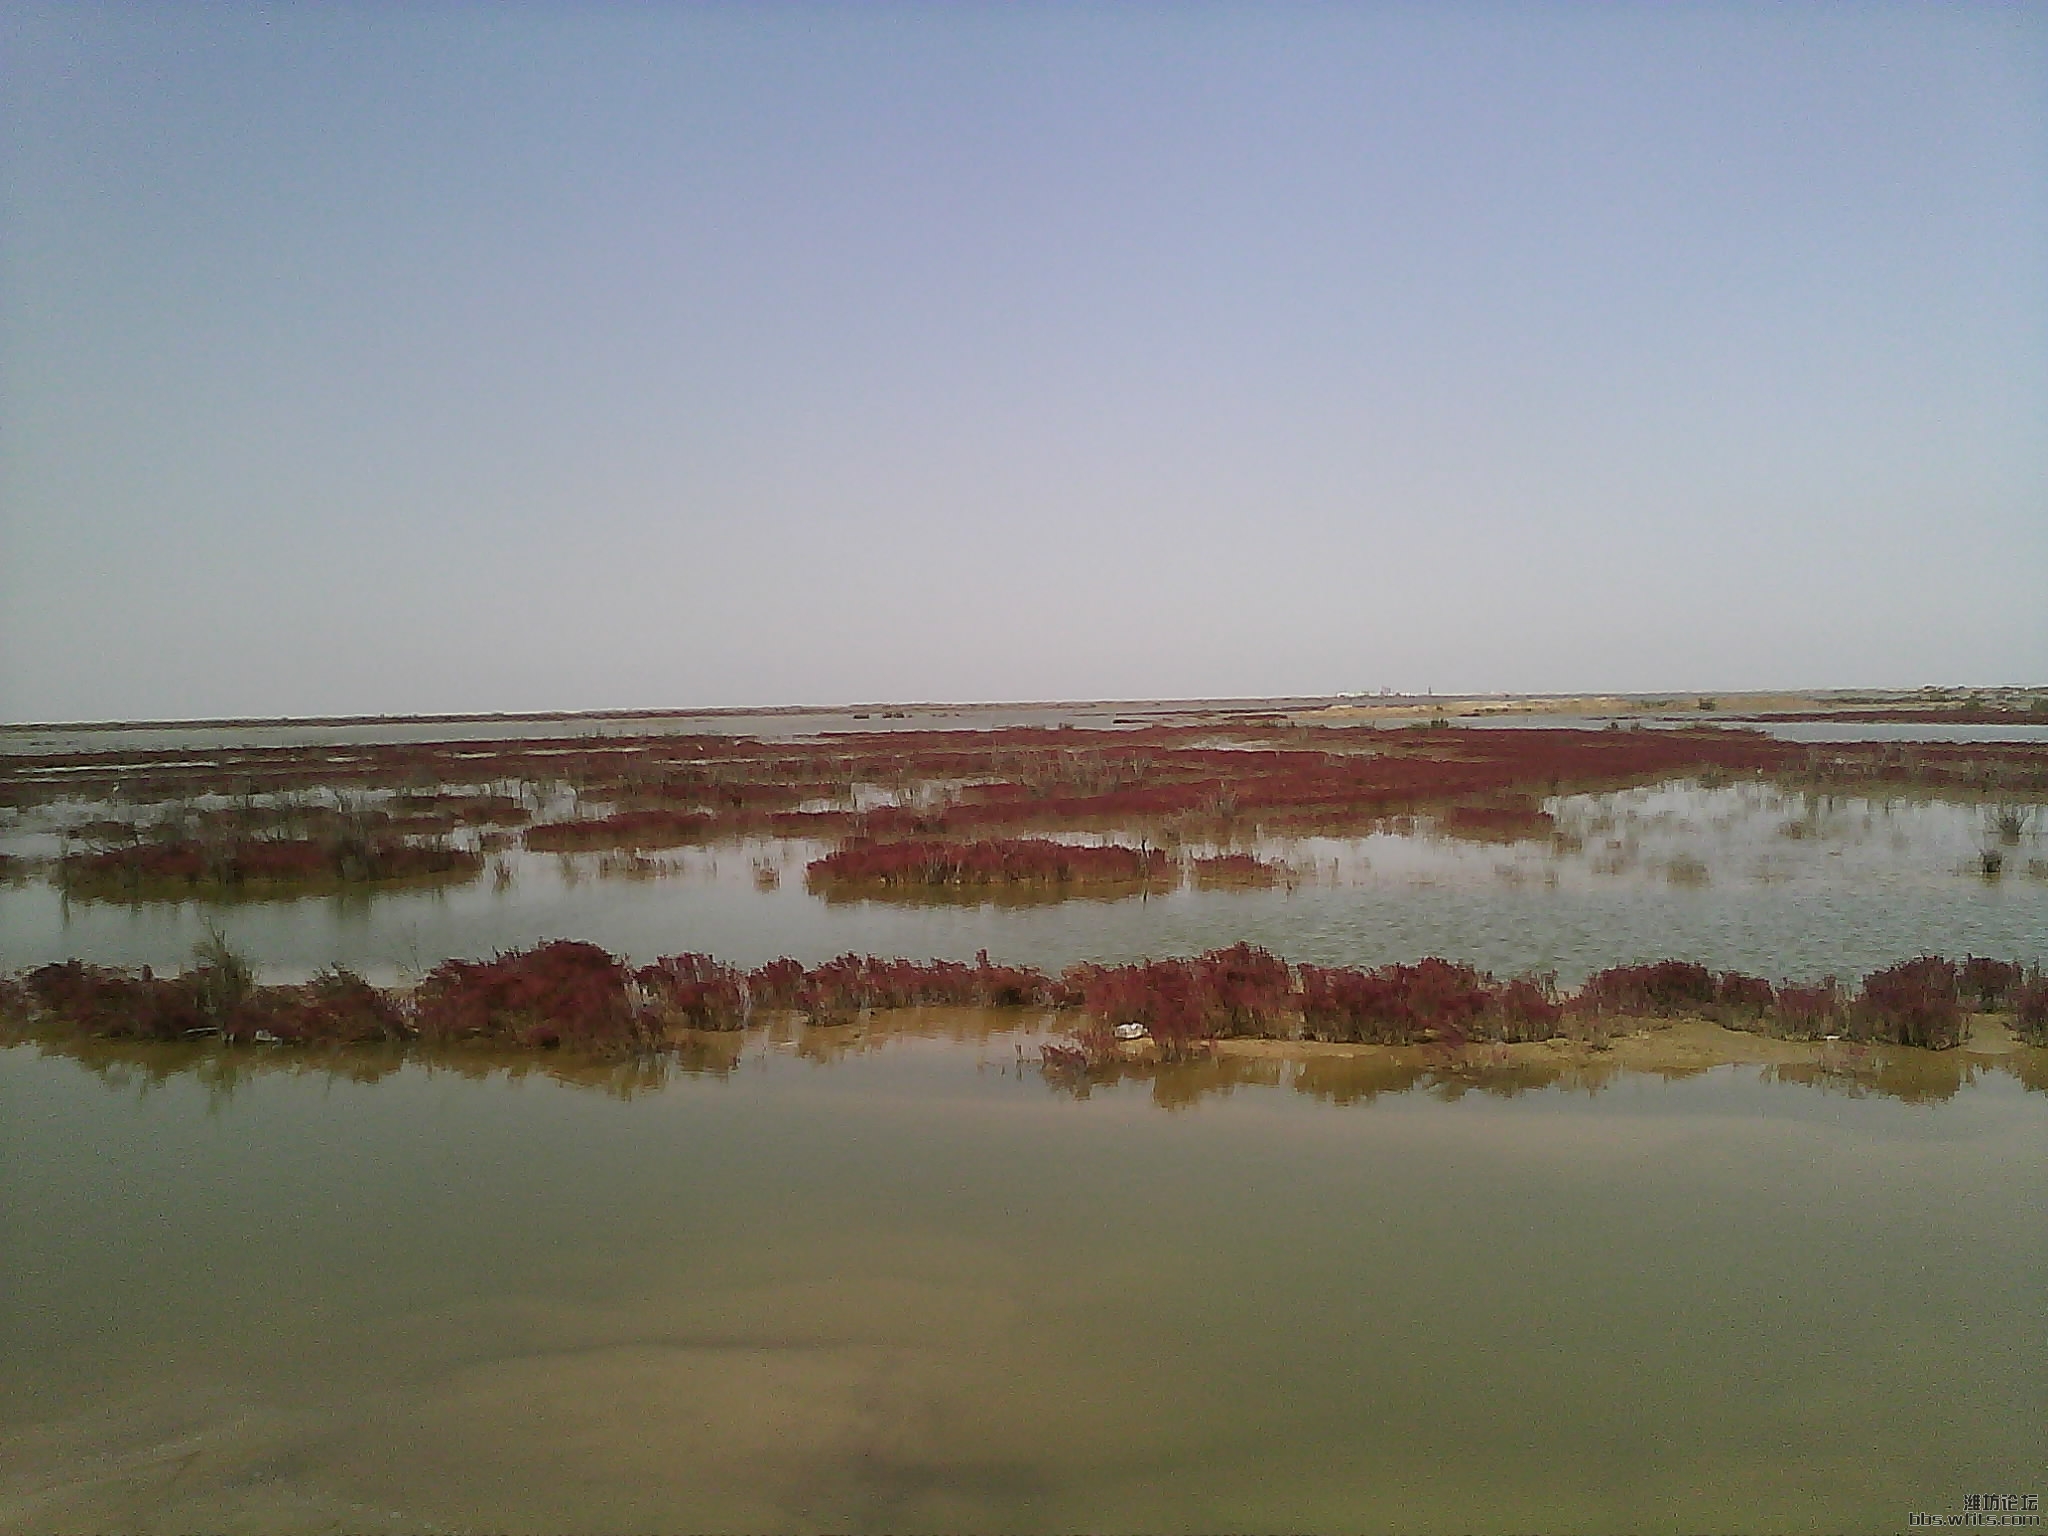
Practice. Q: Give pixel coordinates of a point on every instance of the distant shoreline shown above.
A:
(1988, 705)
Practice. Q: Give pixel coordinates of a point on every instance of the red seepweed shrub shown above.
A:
(564, 993)
(1987, 985)
(1432, 999)
(100, 1001)
(2030, 1009)
(1661, 989)
(1912, 1003)
(1524, 1009)
(1808, 1013)
(696, 991)
(1743, 996)
(337, 1007)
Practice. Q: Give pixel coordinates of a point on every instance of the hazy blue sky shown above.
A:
(407, 358)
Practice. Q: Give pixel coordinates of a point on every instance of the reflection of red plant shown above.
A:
(1016, 861)
(1240, 869)
(1507, 820)
(627, 829)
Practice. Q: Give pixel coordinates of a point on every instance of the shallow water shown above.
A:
(916, 1287)
(1742, 876)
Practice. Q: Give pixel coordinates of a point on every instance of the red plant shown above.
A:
(337, 1007)
(97, 1000)
(1987, 984)
(1808, 1013)
(1394, 1005)
(1523, 1010)
(561, 994)
(1662, 989)
(1736, 993)
(1242, 990)
(2030, 1009)
(699, 991)
(1912, 1003)
(1159, 994)
(777, 984)
(143, 868)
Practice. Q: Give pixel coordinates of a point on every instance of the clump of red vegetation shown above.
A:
(2030, 1009)
(561, 994)
(1396, 1004)
(1664, 989)
(1916, 1002)
(110, 1004)
(837, 990)
(1987, 985)
(1809, 1012)
(337, 1007)
(624, 829)
(1242, 990)
(920, 866)
(696, 991)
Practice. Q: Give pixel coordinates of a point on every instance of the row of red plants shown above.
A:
(577, 996)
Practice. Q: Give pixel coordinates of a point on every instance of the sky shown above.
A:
(383, 358)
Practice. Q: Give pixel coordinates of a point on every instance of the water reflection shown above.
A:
(1915, 1077)
(140, 1069)
(915, 1288)
(1010, 1042)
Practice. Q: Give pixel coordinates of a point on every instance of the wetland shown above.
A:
(600, 1178)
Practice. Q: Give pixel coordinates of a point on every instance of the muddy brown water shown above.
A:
(853, 1281)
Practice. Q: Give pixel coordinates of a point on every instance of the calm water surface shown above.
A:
(916, 1287)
